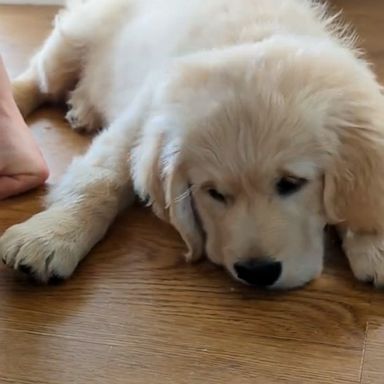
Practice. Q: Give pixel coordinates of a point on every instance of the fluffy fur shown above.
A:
(196, 96)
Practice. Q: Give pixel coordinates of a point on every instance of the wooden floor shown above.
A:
(134, 313)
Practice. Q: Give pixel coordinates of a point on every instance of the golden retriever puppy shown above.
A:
(248, 125)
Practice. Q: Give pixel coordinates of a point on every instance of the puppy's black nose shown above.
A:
(261, 273)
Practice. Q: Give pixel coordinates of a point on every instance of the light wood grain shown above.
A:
(135, 313)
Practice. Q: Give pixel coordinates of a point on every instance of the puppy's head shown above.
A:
(262, 146)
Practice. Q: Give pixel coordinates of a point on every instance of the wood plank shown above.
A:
(373, 356)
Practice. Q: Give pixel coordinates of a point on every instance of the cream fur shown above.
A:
(231, 95)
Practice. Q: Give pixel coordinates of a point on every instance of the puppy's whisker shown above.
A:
(183, 196)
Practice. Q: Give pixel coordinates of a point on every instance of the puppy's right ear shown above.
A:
(181, 212)
(146, 170)
(159, 178)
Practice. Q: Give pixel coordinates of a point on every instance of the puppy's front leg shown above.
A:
(365, 253)
(80, 209)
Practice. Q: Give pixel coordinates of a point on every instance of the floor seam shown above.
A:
(363, 353)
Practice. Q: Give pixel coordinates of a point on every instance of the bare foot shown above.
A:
(22, 166)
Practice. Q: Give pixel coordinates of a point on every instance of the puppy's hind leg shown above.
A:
(81, 114)
(51, 74)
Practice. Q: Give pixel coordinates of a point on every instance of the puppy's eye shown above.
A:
(288, 185)
(216, 195)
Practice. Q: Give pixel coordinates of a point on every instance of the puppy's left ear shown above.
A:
(354, 181)
(181, 212)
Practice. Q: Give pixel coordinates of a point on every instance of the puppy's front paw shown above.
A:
(366, 257)
(43, 247)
